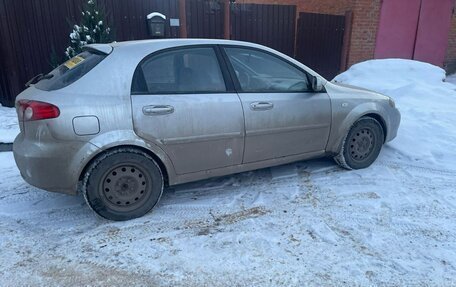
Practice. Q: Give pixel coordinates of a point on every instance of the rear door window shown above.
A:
(70, 71)
(180, 71)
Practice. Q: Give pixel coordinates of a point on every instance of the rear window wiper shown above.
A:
(38, 78)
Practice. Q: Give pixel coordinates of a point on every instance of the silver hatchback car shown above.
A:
(121, 121)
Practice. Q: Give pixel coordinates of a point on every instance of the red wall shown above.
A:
(433, 29)
(397, 31)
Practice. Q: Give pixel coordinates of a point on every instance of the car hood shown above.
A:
(353, 87)
(350, 88)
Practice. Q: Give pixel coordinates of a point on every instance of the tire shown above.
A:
(123, 184)
(362, 144)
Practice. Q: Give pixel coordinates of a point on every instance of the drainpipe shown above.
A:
(347, 41)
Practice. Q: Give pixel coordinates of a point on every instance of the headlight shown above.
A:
(392, 103)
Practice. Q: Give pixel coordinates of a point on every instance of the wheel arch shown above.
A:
(150, 153)
(339, 132)
(380, 120)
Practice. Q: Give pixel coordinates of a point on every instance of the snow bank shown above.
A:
(428, 106)
(9, 127)
(391, 74)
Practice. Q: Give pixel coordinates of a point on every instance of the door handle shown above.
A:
(157, 110)
(261, 106)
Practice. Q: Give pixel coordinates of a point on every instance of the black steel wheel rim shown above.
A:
(362, 144)
(125, 187)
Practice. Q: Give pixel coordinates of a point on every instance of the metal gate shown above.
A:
(204, 19)
(270, 25)
(415, 29)
(320, 42)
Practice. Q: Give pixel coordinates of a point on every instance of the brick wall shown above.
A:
(450, 60)
(366, 15)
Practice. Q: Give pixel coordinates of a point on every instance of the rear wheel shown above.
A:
(123, 184)
(362, 145)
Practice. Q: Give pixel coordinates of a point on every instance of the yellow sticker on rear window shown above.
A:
(73, 62)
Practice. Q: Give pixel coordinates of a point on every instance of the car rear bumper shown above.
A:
(49, 165)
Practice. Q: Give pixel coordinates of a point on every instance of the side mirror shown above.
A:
(317, 85)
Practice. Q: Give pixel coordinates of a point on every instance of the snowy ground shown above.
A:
(9, 127)
(309, 223)
(451, 79)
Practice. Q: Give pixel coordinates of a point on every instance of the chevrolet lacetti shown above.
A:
(119, 122)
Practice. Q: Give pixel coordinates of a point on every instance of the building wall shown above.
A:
(366, 14)
(366, 18)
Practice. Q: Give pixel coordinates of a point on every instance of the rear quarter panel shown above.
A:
(103, 93)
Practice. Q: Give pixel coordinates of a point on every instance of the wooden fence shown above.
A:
(31, 31)
(269, 25)
(204, 19)
(320, 42)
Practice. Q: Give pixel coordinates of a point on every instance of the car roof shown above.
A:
(147, 46)
(180, 42)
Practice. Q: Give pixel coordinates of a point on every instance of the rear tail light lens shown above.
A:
(34, 111)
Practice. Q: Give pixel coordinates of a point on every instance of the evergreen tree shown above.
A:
(92, 29)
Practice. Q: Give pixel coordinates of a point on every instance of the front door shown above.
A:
(180, 102)
(283, 117)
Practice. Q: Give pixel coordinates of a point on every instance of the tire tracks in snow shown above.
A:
(297, 213)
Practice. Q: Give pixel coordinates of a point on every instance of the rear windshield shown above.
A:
(70, 71)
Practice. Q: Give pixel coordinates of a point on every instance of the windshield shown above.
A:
(70, 71)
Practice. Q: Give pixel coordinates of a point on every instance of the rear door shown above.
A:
(181, 102)
(283, 116)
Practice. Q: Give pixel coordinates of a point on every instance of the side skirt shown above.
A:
(189, 177)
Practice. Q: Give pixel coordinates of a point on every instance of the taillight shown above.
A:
(34, 111)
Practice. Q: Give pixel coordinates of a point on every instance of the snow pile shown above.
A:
(9, 127)
(391, 74)
(428, 106)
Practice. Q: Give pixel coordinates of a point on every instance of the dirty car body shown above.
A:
(195, 109)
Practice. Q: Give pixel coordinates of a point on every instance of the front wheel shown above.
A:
(123, 184)
(362, 145)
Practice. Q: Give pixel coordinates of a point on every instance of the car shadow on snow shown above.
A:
(230, 190)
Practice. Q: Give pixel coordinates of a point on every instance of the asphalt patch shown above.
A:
(6, 147)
